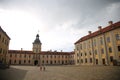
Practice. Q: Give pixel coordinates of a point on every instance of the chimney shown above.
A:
(110, 22)
(99, 27)
(89, 32)
(61, 51)
(21, 49)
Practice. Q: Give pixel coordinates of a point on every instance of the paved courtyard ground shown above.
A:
(61, 73)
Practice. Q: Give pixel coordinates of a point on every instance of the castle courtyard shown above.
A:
(66, 72)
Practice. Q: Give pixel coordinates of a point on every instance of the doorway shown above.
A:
(36, 62)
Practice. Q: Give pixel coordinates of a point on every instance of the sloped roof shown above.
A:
(42, 52)
(98, 32)
(1, 30)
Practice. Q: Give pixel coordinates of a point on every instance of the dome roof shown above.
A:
(37, 41)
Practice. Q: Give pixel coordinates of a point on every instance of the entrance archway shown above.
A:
(36, 62)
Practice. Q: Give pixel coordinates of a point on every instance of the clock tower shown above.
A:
(37, 50)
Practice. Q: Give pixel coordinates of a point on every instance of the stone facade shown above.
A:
(38, 57)
(99, 48)
(4, 46)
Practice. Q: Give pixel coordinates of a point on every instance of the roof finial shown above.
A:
(38, 31)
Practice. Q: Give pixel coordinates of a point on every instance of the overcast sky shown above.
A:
(60, 23)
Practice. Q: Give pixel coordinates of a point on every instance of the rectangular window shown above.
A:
(85, 60)
(90, 52)
(94, 42)
(103, 60)
(24, 61)
(0, 50)
(0, 36)
(111, 58)
(90, 60)
(101, 41)
(80, 46)
(81, 54)
(96, 61)
(118, 48)
(117, 36)
(10, 55)
(28, 61)
(102, 51)
(110, 50)
(95, 52)
(85, 54)
(81, 60)
(25, 56)
(78, 61)
(108, 39)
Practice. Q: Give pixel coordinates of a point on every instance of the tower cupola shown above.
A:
(37, 45)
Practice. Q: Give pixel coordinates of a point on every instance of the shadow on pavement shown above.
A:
(12, 74)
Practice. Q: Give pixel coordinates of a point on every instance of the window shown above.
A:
(90, 60)
(80, 46)
(10, 55)
(108, 39)
(15, 55)
(19, 61)
(9, 61)
(0, 50)
(3, 40)
(85, 45)
(0, 36)
(47, 56)
(77, 47)
(85, 60)
(110, 50)
(24, 61)
(81, 60)
(95, 52)
(85, 54)
(96, 61)
(51, 56)
(50, 62)
(94, 42)
(103, 60)
(25, 55)
(89, 52)
(117, 36)
(81, 54)
(20, 55)
(101, 41)
(29, 56)
(102, 51)
(28, 61)
(118, 48)
(43, 61)
(78, 61)
(111, 58)
(59, 61)
(14, 61)
(47, 61)
(55, 62)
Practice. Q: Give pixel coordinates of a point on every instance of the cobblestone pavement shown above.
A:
(61, 73)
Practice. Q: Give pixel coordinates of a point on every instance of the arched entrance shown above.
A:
(36, 62)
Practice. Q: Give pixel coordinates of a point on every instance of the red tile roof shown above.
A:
(103, 30)
(43, 52)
